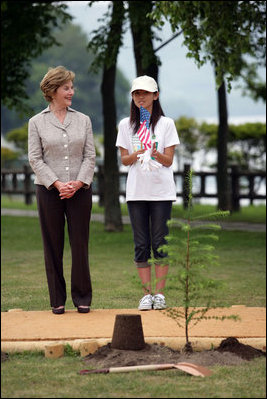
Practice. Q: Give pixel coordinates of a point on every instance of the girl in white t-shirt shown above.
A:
(150, 188)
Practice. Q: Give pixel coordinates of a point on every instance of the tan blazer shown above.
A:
(61, 151)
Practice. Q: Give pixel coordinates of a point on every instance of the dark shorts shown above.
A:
(149, 224)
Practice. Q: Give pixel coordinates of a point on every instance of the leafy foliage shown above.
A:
(27, 30)
(7, 156)
(189, 132)
(247, 141)
(19, 137)
(220, 32)
(69, 351)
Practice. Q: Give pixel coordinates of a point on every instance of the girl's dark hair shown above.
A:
(157, 112)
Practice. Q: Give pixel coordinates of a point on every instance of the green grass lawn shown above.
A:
(114, 277)
(115, 285)
(249, 214)
(31, 375)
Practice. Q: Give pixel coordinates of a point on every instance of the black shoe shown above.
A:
(58, 311)
(83, 310)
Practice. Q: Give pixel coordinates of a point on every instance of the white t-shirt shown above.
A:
(156, 185)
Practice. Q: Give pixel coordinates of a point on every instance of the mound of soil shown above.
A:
(230, 352)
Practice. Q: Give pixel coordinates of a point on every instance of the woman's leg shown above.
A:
(52, 221)
(78, 212)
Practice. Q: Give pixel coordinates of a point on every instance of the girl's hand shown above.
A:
(136, 153)
(128, 159)
(154, 152)
(164, 158)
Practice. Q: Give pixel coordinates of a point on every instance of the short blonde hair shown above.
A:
(53, 79)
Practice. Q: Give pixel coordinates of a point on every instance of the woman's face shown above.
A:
(145, 99)
(63, 95)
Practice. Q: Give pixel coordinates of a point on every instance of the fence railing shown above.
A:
(242, 184)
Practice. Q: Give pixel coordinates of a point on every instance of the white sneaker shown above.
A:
(146, 302)
(159, 302)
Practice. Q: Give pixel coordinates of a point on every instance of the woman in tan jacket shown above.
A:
(62, 156)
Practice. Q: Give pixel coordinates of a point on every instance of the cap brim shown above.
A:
(143, 87)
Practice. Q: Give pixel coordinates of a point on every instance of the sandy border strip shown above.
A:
(198, 344)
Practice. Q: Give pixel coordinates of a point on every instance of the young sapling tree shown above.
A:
(191, 256)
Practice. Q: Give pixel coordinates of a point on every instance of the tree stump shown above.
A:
(128, 332)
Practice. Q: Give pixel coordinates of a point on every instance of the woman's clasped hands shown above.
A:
(68, 189)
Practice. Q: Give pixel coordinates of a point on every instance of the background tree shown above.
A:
(191, 140)
(19, 137)
(247, 142)
(8, 156)
(223, 33)
(141, 27)
(27, 30)
(253, 85)
(105, 43)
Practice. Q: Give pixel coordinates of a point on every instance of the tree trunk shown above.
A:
(222, 163)
(145, 59)
(113, 219)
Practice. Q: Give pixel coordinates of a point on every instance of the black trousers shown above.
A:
(53, 212)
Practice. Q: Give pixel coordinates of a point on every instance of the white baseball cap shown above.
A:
(144, 83)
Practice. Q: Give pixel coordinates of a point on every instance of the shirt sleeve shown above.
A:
(122, 139)
(171, 134)
(35, 155)
(86, 172)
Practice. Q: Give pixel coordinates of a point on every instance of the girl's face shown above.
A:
(145, 99)
(63, 95)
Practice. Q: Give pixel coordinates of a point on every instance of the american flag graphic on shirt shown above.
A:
(143, 132)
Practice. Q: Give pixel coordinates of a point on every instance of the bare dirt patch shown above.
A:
(230, 352)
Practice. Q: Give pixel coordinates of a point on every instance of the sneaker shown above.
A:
(146, 302)
(159, 302)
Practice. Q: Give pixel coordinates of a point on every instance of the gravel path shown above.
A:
(257, 227)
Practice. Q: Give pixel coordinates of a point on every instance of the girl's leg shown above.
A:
(139, 216)
(160, 214)
(145, 277)
(161, 272)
